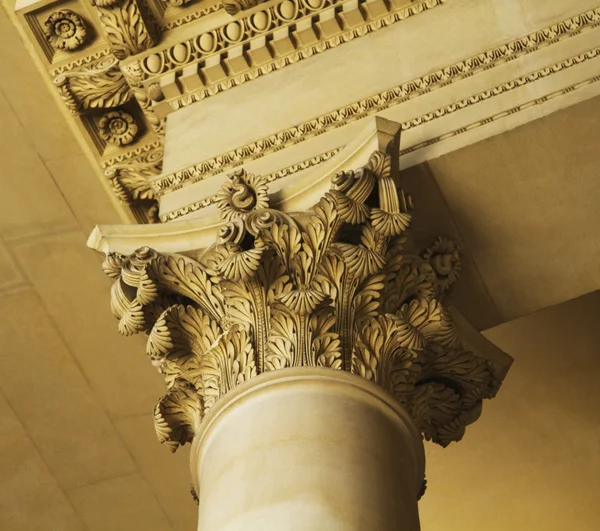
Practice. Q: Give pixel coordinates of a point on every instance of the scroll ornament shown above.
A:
(100, 85)
(129, 181)
(331, 287)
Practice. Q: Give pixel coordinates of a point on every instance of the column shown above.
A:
(307, 345)
(308, 448)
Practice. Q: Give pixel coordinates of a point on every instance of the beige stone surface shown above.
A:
(58, 362)
(532, 460)
(525, 204)
(31, 101)
(65, 420)
(10, 276)
(31, 498)
(77, 447)
(30, 203)
(74, 293)
(124, 502)
(79, 184)
(432, 218)
(167, 474)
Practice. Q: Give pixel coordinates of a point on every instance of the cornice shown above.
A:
(92, 82)
(397, 95)
(504, 114)
(97, 74)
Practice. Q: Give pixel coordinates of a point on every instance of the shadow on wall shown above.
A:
(432, 218)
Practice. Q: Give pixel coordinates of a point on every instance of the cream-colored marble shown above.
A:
(65, 274)
(306, 448)
(123, 503)
(355, 70)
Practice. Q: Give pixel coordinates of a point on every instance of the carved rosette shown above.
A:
(65, 30)
(118, 128)
(331, 287)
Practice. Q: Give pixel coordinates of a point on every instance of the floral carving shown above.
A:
(98, 85)
(235, 6)
(444, 257)
(118, 128)
(330, 287)
(125, 27)
(65, 30)
(241, 194)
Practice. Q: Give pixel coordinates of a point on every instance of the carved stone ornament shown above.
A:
(118, 128)
(65, 30)
(179, 3)
(332, 286)
(125, 27)
(129, 181)
(235, 6)
(99, 85)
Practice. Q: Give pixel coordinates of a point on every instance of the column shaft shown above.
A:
(308, 449)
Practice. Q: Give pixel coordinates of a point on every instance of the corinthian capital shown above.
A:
(334, 285)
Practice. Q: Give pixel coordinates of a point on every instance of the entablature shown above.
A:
(124, 68)
(264, 127)
(119, 66)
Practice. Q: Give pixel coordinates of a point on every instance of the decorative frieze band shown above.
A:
(499, 116)
(370, 106)
(279, 174)
(313, 161)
